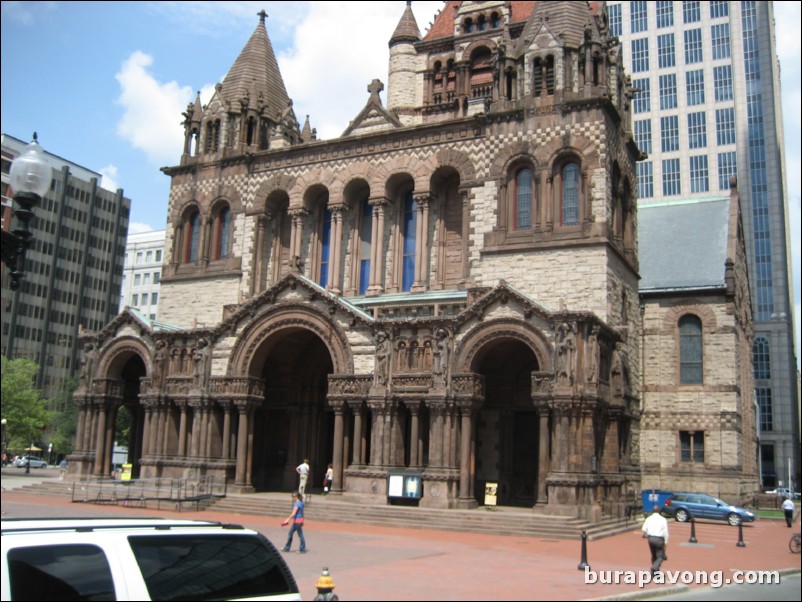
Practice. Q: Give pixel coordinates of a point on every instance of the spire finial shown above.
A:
(262, 16)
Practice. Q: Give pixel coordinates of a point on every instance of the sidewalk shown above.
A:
(386, 563)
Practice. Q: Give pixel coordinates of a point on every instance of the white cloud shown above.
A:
(327, 73)
(23, 12)
(137, 228)
(110, 175)
(151, 121)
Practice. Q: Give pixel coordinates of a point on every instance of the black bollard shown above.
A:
(741, 543)
(583, 563)
(693, 531)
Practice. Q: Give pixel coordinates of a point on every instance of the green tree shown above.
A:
(22, 405)
(65, 420)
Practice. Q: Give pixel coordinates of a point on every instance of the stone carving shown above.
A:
(200, 356)
(592, 360)
(619, 371)
(88, 366)
(159, 364)
(442, 349)
(566, 354)
(382, 361)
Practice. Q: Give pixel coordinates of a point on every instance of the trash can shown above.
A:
(654, 497)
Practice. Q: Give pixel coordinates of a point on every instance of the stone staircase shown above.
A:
(499, 521)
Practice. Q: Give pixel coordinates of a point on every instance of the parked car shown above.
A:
(683, 506)
(22, 462)
(785, 493)
(139, 559)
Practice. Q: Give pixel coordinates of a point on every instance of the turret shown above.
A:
(403, 94)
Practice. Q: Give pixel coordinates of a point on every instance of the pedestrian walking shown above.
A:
(296, 519)
(62, 468)
(788, 509)
(655, 529)
(327, 480)
(303, 470)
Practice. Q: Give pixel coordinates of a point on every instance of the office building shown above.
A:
(142, 273)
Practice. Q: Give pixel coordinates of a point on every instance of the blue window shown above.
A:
(697, 130)
(668, 91)
(725, 126)
(365, 243)
(570, 194)
(325, 248)
(643, 135)
(690, 350)
(727, 168)
(669, 134)
(695, 87)
(641, 101)
(722, 83)
(699, 174)
(665, 51)
(693, 46)
(523, 200)
(222, 233)
(645, 180)
(763, 395)
(691, 12)
(719, 9)
(614, 14)
(192, 238)
(410, 241)
(720, 36)
(638, 17)
(672, 185)
(640, 55)
(665, 14)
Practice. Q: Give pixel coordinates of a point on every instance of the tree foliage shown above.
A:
(22, 405)
(65, 420)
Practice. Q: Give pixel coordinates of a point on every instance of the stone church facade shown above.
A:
(449, 289)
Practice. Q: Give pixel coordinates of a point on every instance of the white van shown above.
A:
(139, 559)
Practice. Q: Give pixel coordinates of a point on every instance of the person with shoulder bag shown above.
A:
(296, 519)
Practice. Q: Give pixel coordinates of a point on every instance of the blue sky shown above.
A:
(104, 83)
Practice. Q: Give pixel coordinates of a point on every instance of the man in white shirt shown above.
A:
(303, 470)
(788, 508)
(655, 529)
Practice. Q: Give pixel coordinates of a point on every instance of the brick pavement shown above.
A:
(387, 563)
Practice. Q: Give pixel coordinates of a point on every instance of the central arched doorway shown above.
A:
(293, 423)
(507, 434)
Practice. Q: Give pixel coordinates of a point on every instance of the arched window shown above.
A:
(482, 23)
(523, 200)
(570, 195)
(192, 229)
(468, 26)
(410, 241)
(365, 243)
(222, 233)
(543, 76)
(325, 248)
(761, 357)
(495, 20)
(690, 351)
(482, 73)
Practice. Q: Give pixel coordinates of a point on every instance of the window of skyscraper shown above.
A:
(665, 14)
(691, 12)
(719, 9)
(640, 55)
(720, 36)
(641, 101)
(665, 51)
(697, 130)
(693, 46)
(614, 14)
(638, 16)
(645, 180)
(695, 87)
(725, 126)
(722, 83)
(668, 91)
(699, 174)
(672, 184)
(643, 135)
(727, 167)
(669, 133)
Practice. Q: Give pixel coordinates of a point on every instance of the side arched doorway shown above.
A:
(507, 433)
(292, 423)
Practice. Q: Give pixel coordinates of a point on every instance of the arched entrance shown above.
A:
(507, 433)
(292, 424)
(126, 422)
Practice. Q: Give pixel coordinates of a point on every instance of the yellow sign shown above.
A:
(491, 491)
(125, 473)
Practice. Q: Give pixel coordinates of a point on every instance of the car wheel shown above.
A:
(682, 516)
(733, 519)
(43, 466)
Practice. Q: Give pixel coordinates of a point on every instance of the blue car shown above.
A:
(683, 506)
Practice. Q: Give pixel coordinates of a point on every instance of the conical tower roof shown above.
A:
(256, 72)
(407, 30)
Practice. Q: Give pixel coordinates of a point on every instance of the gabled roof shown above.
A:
(132, 316)
(374, 116)
(683, 245)
(256, 73)
(566, 21)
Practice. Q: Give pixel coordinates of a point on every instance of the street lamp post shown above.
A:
(30, 178)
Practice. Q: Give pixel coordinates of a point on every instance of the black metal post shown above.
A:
(693, 531)
(741, 543)
(583, 563)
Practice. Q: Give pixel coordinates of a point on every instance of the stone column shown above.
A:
(226, 405)
(357, 409)
(543, 456)
(437, 411)
(339, 410)
(466, 234)
(257, 281)
(182, 428)
(420, 283)
(296, 237)
(377, 248)
(241, 478)
(335, 257)
(414, 437)
(100, 439)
